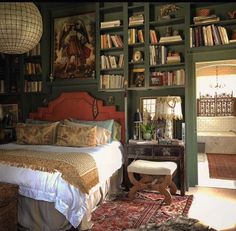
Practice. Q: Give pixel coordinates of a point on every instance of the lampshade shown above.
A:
(21, 27)
(168, 107)
(137, 117)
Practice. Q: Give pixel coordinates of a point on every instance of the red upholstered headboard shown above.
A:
(79, 105)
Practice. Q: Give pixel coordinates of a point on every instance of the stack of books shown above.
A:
(108, 24)
(136, 20)
(205, 19)
(173, 59)
(174, 38)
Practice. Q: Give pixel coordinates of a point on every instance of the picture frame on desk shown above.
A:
(74, 46)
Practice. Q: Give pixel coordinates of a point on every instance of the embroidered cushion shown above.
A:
(107, 124)
(76, 136)
(116, 131)
(103, 136)
(36, 133)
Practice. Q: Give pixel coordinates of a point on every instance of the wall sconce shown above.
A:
(169, 108)
(137, 122)
(21, 27)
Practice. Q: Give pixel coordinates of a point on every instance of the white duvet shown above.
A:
(51, 187)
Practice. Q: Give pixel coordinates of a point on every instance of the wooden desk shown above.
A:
(157, 152)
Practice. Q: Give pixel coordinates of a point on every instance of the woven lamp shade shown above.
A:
(21, 27)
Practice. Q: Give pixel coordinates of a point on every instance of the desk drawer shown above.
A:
(140, 151)
(167, 151)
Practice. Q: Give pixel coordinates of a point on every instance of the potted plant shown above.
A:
(148, 130)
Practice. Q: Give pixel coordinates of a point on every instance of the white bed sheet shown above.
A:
(51, 187)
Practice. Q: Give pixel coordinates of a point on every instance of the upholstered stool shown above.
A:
(154, 176)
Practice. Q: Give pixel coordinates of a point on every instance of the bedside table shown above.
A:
(157, 152)
(9, 135)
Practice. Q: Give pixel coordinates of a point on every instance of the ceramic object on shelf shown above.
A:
(203, 12)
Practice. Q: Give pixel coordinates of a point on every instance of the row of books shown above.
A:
(168, 78)
(32, 86)
(136, 19)
(33, 69)
(34, 51)
(159, 55)
(109, 24)
(153, 36)
(208, 36)
(109, 41)
(111, 81)
(135, 35)
(111, 61)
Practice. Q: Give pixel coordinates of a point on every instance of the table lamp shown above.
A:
(168, 108)
(137, 122)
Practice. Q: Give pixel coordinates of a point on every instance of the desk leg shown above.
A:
(182, 177)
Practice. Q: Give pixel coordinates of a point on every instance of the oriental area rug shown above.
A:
(222, 166)
(147, 208)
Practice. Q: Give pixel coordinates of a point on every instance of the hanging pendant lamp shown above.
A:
(21, 27)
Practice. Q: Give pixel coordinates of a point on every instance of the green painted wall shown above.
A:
(31, 102)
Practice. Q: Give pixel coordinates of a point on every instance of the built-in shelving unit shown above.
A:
(151, 56)
(33, 71)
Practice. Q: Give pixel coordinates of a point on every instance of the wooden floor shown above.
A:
(215, 207)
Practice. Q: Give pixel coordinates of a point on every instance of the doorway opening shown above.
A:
(216, 123)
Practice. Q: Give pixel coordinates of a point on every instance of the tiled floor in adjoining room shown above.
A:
(205, 180)
(214, 207)
(214, 202)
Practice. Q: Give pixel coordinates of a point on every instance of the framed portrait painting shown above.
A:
(74, 47)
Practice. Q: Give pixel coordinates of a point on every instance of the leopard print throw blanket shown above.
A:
(78, 169)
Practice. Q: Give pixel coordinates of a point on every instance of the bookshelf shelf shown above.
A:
(168, 65)
(112, 29)
(110, 9)
(215, 30)
(167, 22)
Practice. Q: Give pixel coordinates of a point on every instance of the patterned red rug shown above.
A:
(222, 166)
(147, 207)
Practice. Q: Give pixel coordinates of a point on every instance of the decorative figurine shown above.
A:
(232, 14)
(167, 10)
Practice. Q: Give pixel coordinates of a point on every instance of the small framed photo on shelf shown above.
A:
(137, 77)
(156, 79)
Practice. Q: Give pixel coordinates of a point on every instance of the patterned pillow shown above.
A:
(76, 136)
(36, 133)
(116, 131)
(107, 124)
(103, 136)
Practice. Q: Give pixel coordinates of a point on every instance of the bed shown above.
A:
(60, 194)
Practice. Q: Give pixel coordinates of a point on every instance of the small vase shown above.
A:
(147, 136)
